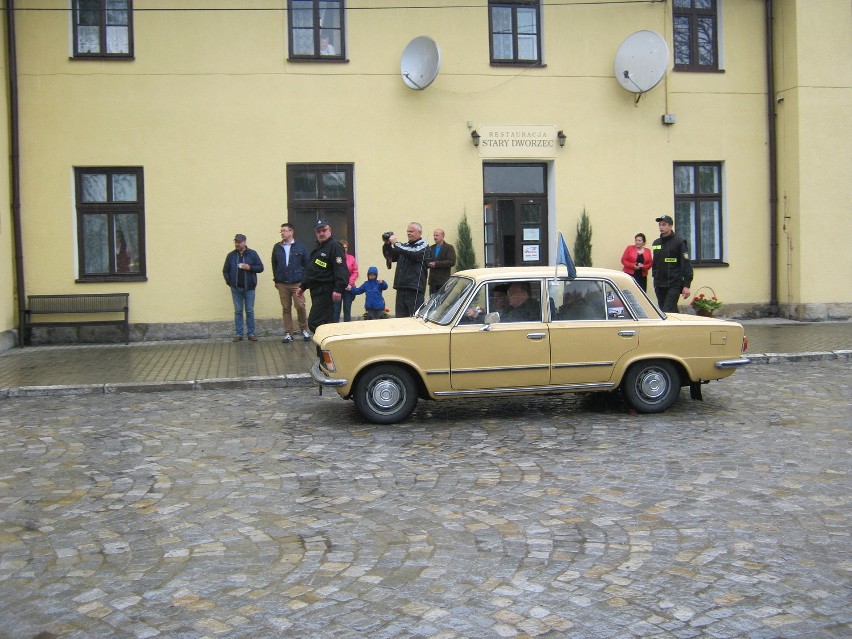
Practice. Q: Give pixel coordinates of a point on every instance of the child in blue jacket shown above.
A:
(373, 287)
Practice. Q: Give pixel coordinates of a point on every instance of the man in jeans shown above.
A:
(289, 259)
(240, 271)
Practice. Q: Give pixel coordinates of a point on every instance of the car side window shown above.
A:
(579, 300)
(476, 308)
(615, 308)
(523, 300)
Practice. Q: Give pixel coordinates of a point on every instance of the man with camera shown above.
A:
(410, 277)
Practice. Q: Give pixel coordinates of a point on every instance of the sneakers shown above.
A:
(252, 338)
(306, 335)
(287, 338)
(238, 338)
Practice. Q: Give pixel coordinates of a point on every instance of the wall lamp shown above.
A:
(561, 137)
(475, 137)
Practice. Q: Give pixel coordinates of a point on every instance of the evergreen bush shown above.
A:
(465, 255)
(583, 242)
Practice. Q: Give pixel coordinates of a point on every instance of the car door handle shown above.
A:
(536, 335)
(627, 333)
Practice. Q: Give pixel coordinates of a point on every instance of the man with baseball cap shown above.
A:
(326, 276)
(240, 271)
(672, 268)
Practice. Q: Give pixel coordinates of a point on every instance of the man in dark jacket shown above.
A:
(442, 258)
(240, 271)
(326, 276)
(522, 307)
(411, 272)
(289, 260)
(672, 268)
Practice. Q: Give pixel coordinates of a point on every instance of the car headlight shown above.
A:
(328, 361)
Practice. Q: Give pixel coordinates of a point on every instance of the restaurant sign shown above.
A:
(518, 141)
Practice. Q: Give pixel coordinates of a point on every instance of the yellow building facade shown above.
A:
(149, 137)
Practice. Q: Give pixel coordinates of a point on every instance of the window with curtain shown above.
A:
(103, 28)
(316, 29)
(515, 29)
(698, 209)
(110, 223)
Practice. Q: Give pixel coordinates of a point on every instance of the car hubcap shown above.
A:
(653, 385)
(385, 394)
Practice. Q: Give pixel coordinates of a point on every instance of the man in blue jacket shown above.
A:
(240, 271)
(289, 260)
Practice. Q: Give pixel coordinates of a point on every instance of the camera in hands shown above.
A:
(387, 250)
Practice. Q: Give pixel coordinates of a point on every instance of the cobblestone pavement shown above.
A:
(279, 513)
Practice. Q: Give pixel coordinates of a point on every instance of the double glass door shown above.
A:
(515, 214)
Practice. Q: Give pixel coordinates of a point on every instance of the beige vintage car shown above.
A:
(526, 330)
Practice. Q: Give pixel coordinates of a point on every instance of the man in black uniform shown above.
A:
(326, 275)
(672, 268)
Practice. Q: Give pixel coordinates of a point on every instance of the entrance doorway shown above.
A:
(515, 214)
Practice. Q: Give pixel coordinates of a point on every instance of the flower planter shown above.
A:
(705, 306)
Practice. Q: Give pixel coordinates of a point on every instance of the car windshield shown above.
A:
(443, 305)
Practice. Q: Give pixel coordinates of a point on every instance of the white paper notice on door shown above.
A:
(530, 252)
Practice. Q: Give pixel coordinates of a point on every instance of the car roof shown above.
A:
(528, 272)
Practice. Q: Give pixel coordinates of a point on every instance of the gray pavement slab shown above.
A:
(143, 366)
(258, 513)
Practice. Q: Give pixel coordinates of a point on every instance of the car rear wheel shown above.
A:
(385, 394)
(651, 387)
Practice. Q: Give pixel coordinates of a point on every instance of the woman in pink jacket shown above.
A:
(346, 301)
(637, 260)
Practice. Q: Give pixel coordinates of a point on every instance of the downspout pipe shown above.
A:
(773, 162)
(15, 164)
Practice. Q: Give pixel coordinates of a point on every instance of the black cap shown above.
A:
(239, 237)
(320, 224)
(666, 218)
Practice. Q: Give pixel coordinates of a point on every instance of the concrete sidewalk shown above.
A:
(222, 364)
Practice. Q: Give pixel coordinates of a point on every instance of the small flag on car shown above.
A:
(564, 257)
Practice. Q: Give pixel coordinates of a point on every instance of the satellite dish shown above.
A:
(420, 63)
(641, 62)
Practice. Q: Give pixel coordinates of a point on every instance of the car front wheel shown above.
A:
(651, 387)
(385, 394)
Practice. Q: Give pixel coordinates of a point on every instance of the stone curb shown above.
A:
(274, 381)
(774, 358)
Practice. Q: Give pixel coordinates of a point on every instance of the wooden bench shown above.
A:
(88, 304)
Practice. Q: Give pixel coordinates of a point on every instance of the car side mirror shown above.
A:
(492, 318)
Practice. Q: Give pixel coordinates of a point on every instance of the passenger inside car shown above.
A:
(476, 312)
(522, 306)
